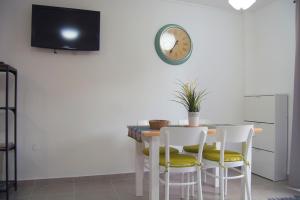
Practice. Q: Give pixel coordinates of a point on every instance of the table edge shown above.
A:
(211, 132)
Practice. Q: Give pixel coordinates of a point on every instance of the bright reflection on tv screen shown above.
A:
(69, 33)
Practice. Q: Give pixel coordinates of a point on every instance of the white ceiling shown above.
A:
(224, 3)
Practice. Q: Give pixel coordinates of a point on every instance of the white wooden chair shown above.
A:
(181, 163)
(194, 151)
(146, 145)
(184, 122)
(143, 122)
(230, 159)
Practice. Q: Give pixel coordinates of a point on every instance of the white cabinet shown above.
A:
(262, 163)
(260, 109)
(265, 140)
(269, 112)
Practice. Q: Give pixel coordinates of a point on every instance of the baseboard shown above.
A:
(80, 176)
(295, 189)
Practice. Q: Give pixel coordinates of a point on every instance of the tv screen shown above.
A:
(65, 28)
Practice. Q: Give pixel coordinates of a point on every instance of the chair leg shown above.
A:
(182, 187)
(221, 182)
(216, 180)
(243, 183)
(204, 178)
(188, 187)
(167, 185)
(225, 184)
(248, 187)
(199, 184)
(193, 186)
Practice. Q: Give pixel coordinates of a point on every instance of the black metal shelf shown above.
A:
(12, 109)
(7, 145)
(4, 67)
(3, 185)
(11, 146)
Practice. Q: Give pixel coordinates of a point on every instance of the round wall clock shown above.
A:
(173, 44)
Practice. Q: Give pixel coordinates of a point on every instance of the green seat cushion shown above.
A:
(229, 156)
(161, 151)
(195, 148)
(179, 160)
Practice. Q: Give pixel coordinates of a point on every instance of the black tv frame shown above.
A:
(62, 48)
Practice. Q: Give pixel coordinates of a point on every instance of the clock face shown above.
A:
(173, 44)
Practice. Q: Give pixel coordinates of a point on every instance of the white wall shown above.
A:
(270, 51)
(74, 107)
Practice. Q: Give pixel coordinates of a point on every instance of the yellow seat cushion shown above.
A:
(229, 156)
(179, 160)
(195, 148)
(161, 151)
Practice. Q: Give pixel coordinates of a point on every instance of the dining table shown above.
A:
(144, 134)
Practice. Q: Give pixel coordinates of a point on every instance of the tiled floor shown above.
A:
(122, 187)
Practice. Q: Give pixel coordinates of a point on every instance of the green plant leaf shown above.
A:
(189, 96)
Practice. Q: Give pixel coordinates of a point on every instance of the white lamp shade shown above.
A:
(241, 4)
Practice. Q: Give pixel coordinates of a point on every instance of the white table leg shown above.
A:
(248, 173)
(154, 169)
(139, 168)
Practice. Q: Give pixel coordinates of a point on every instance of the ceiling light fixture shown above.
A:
(241, 4)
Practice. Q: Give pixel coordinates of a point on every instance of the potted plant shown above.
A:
(191, 98)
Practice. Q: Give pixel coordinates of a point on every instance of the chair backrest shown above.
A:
(205, 121)
(184, 122)
(182, 136)
(235, 134)
(143, 122)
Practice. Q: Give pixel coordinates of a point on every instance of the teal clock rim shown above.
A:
(159, 51)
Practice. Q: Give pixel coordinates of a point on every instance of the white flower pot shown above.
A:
(194, 118)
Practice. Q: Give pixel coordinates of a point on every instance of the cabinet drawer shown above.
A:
(260, 109)
(266, 139)
(263, 163)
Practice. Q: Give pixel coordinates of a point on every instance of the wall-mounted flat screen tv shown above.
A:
(65, 28)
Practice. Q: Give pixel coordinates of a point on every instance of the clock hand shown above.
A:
(174, 46)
